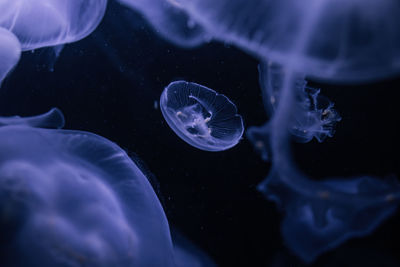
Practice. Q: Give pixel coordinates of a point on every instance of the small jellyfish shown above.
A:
(200, 116)
(10, 51)
(48, 23)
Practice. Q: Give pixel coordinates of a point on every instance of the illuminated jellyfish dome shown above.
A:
(201, 116)
(116, 220)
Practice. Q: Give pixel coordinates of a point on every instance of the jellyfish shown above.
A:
(170, 21)
(49, 23)
(10, 51)
(72, 198)
(200, 116)
(322, 40)
(314, 115)
(351, 42)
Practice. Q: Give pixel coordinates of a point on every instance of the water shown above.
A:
(108, 83)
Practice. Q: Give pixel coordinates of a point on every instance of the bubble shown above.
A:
(200, 116)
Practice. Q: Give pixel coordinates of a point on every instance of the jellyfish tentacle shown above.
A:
(54, 118)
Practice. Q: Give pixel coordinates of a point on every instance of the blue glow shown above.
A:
(200, 116)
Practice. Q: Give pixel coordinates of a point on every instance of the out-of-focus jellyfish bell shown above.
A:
(200, 116)
(320, 215)
(329, 39)
(170, 21)
(10, 51)
(70, 198)
(50, 22)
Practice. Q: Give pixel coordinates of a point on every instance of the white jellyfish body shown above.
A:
(72, 198)
(200, 116)
(10, 52)
(50, 22)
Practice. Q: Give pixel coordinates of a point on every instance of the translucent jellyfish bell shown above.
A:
(200, 116)
(10, 51)
(50, 22)
(333, 40)
(72, 198)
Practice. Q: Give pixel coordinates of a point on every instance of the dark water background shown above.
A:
(110, 84)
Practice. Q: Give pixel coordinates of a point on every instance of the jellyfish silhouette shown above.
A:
(73, 198)
(49, 23)
(170, 21)
(200, 116)
(10, 51)
(327, 40)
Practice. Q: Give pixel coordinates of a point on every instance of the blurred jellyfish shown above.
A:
(352, 41)
(320, 215)
(50, 22)
(170, 21)
(313, 115)
(72, 198)
(10, 51)
(356, 41)
(200, 116)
